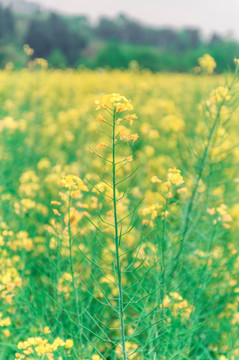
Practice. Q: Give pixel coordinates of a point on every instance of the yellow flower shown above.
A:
(19, 356)
(54, 202)
(69, 344)
(96, 357)
(43, 164)
(236, 61)
(207, 63)
(28, 50)
(6, 332)
(175, 177)
(133, 137)
(46, 330)
(56, 212)
(114, 101)
(129, 158)
(211, 211)
(41, 62)
(5, 322)
(100, 118)
(220, 95)
(182, 190)
(73, 183)
(130, 118)
(155, 179)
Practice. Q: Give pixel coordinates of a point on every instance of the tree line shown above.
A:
(72, 41)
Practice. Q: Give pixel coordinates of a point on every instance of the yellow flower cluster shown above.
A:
(220, 214)
(177, 306)
(29, 184)
(20, 241)
(10, 281)
(154, 211)
(38, 62)
(8, 123)
(28, 50)
(4, 321)
(114, 101)
(207, 63)
(65, 284)
(174, 180)
(172, 122)
(175, 177)
(117, 103)
(72, 182)
(37, 346)
(24, 206)
(220, 95)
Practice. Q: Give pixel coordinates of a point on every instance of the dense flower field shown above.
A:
(119, 218)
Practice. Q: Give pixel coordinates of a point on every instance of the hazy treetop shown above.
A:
(209, 15)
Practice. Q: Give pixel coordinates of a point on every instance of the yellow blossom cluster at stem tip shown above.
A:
(72, 182)
(175, 178)
(220, 94)
(207, 63)
(114, 101)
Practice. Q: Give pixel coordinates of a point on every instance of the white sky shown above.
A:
(210, 15)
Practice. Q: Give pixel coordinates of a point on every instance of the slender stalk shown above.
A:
(162, 266)
(162, 247)
(117, 240)
(195, 189)
(72, 270)
(200, 174)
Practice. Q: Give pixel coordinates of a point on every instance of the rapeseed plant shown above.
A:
(123, 264)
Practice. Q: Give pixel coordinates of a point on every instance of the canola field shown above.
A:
(118, 216)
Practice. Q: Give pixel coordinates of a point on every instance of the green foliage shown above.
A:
(10, 53)
(44, 36)
(224, 53)
(7, 24)
(70, 41)
(118, 55)
(57, 59)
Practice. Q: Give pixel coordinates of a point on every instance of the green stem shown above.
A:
(195, 189)
(117, 240)
(163, 258)
(72, 271)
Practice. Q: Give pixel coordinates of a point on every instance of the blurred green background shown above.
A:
(114, 42)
